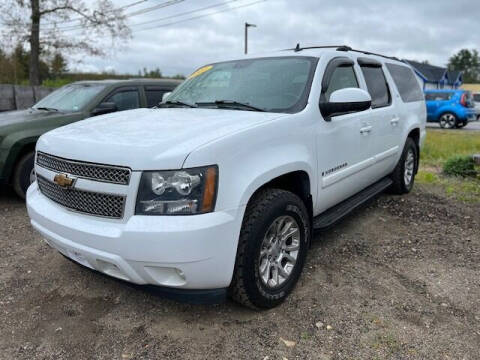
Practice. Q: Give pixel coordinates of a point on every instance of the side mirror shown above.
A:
(345, 101)
(104, 108)
(165, 96)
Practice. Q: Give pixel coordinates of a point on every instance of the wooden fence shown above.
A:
(17, 97)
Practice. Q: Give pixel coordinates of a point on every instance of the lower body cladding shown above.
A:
(192, 254)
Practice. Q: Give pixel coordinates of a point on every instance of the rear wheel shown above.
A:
(24, 174)
(461, 124)
(448, 121)
(403, 176)
(272, 249)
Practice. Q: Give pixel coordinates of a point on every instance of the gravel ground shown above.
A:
(397, 279)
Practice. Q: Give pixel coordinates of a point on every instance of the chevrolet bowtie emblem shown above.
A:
(63, 180)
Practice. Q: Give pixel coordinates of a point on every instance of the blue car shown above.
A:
(451, 108)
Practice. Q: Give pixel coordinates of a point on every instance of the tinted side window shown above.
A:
(406, 83)
(438, 96)
(476, 97)
(154, 97)
(377, 86)
(125, 100)
(342, 77)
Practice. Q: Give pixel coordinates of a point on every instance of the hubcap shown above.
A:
(32, 177)
(279, 251)
(409, 167)
(447, 121)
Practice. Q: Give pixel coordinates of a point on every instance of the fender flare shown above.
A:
(15, 151)
(274, 173)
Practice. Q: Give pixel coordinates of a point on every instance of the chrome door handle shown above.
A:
(394, 121)
(366, 129)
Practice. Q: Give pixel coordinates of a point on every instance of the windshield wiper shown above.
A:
(46, 108)
(232, 104)
(177, 102)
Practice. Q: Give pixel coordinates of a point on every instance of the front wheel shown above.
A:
(403, 176)
(448, 121)
(24, 174)
(272, 248)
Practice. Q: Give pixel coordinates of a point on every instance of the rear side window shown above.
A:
(438, 96)
(406, 83)
(476, 97)
(342, 77)
(377, 86)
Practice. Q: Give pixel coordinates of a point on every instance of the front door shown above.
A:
(344, 144)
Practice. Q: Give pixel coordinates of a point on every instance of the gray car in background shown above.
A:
(19, 130)
(476, 99)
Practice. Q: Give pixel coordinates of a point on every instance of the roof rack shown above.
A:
(340, 48)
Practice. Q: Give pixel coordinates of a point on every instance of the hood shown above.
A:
(147, 139)
(25, 116)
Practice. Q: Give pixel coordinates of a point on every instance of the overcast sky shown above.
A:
(420, 30)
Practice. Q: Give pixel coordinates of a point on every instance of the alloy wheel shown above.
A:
(448, 121)
(409, 167)
(279, 251)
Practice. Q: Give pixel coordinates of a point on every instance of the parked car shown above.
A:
(450, 108)
(19, 130)
(218, 191)
(476, 100)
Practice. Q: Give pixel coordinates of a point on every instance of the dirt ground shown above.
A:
(398, 279)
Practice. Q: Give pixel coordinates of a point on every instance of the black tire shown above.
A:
(448, 120)
(21, 174)
(399, 185)
(461, 124)
(262, 211)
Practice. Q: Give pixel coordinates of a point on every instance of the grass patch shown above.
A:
(441, 145)
(451, 150)
(460, 166)
(463, 189)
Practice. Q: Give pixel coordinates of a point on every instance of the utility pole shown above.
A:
(247, 25)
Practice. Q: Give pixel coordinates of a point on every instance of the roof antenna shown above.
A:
(297, 48)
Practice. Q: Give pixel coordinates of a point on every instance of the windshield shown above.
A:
(279, 84)
(70, 98)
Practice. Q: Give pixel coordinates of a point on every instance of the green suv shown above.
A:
(19, 130)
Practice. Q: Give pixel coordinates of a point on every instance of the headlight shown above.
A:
(179, 192)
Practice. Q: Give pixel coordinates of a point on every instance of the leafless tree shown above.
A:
(49, 26)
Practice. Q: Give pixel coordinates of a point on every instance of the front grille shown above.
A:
(98, 172)
(86, 202)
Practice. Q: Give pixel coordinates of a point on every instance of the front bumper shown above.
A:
(183, 252)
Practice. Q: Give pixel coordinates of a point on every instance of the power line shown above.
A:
(223, 3)
(138, 12)
(220, 4)
(159, 6)
(79, 19)
(201, 16)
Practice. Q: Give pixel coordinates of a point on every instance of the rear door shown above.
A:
(432, 105)
(439, 103)
(384, 116)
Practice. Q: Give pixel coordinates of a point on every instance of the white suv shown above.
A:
(218, 190)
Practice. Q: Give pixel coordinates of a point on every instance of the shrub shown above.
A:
(460, 166)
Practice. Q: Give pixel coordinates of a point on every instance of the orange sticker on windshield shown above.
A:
(201, 71)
